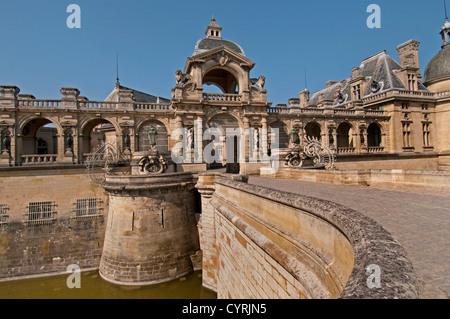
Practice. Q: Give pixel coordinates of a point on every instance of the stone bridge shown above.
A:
(262, 243)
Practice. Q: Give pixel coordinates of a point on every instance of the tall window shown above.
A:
(412, 82)
(357, 92)
(88, 207)
(426, 134)
(406, 134)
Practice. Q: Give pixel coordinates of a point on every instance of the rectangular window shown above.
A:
(426, 134)
(357, 92)
(3, 214)
(406, 134)
(412, 82)
(86, 207)
(40, 213)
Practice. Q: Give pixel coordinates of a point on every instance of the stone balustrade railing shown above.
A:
(38, 103)
(37, 159)
(99, 105)
(443, 94)
(213, 97)
(375, 149)
(346, 150)
(153, 107)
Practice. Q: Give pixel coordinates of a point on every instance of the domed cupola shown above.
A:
(437, 72)
(214, 40)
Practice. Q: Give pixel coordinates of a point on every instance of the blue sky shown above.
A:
(40, 54)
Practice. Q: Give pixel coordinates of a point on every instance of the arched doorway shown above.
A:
(226, 151)
(374, 135)
(312, 129)
(344, 136)
(162, 140)
(39, 138)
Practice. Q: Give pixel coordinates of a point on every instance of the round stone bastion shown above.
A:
(151, 228)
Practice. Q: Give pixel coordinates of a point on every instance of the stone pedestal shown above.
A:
(151, 229)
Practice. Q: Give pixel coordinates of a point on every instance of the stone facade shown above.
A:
(383, 108)
(73, 234)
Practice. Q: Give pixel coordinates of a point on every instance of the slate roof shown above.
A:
(380, 67)
(206, 44)
(439, 66)
(142, 97)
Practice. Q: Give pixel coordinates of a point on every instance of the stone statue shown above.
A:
(69, 141)
(126, 142)
(190, 138)
(260, 82)
(151, 134)
(295, 138)
(6, 142)
(256, 139)
(185, 80)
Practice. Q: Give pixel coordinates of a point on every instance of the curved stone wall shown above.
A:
(271, 244)
(151, 229)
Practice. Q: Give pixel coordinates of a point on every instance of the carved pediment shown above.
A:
(222, 55)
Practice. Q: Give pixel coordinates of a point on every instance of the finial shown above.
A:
(212, 19)
(117, 67)
(306, 83)
(445, 9)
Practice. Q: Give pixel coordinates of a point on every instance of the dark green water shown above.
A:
(93, 287)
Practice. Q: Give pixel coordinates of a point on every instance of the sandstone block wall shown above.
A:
(27, 250)
(151, 229)
(271, 244)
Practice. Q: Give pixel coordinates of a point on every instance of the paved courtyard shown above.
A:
(420, 222)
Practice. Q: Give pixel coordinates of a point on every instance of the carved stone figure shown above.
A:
(295, 138)
(260, 82)
(223, 59)
(6, 143)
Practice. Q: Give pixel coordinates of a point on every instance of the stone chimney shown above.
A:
(409, 54)
(303, 96)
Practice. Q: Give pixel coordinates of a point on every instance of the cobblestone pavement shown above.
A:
(420, 222)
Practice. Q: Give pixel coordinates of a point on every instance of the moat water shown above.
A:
(94, 287)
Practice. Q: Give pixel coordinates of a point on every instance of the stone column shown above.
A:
(263, 137)
(198, 140)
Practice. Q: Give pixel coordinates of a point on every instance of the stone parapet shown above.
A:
(271, 244)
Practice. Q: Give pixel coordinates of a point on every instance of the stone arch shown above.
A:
(224, 121)
(232, 72)
(223, 78)
(39, 136)
(106, 130)
(162, 138)
(313, 129)
(345, 135)
(283, 141)
(374, 135)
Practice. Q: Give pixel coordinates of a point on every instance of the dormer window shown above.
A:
(357, 92)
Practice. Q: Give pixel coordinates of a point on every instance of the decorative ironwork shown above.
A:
(320, 154)
(103, 161)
